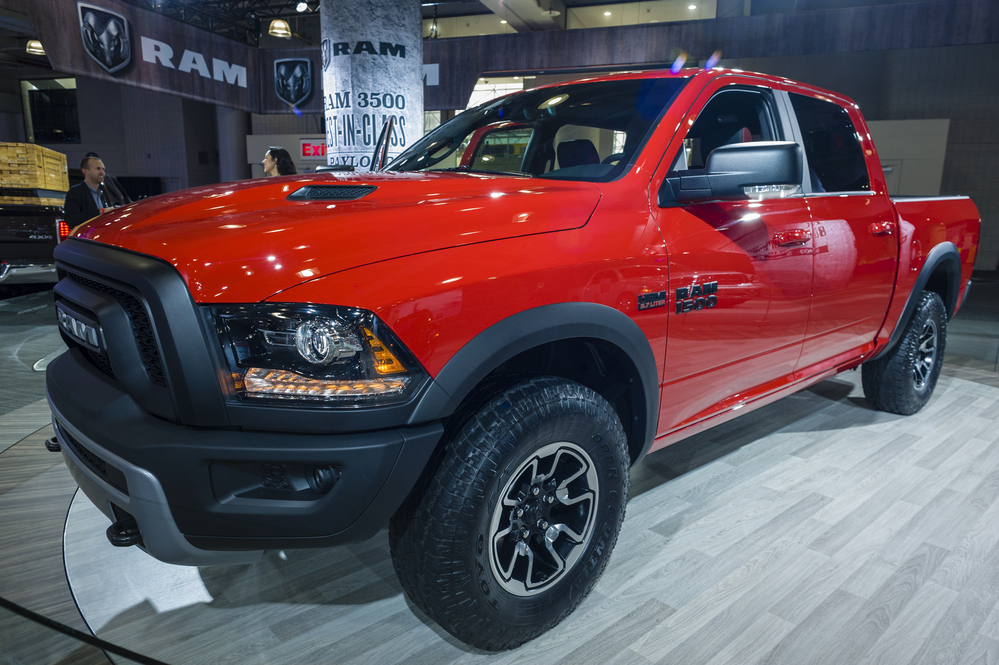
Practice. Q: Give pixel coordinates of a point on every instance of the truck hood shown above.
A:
(245, 241)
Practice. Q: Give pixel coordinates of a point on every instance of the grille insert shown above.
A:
(112, 475)
(101, 361)
(331, 192)
(142, 330)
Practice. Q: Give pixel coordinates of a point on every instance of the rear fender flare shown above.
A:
(944, 256)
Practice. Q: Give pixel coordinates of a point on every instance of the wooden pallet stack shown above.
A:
(40, 174)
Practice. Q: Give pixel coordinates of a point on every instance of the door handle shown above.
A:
(792, 238)
(881, 228)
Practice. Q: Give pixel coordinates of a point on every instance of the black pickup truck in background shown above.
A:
(28, 235)
(30, 232)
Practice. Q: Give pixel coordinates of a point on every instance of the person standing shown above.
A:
(114, 194)
(277, 161)
(86, 200)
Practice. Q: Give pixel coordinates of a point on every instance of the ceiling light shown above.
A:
(503, 22)
(607, 13)
(279, 28)
(550, 13)
(692, 7)
(302, 7)
(35, 47)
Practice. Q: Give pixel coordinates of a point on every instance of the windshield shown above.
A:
(583, 131)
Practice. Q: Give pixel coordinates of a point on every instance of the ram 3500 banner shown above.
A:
(372, 53)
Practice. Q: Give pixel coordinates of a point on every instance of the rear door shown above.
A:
(855, 234)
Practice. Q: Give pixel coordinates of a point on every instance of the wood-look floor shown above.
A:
(35, 490)
(812, 531)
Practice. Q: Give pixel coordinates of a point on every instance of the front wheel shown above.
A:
(902, 380)
(520, 517)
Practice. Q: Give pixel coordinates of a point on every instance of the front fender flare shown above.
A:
(541, 325)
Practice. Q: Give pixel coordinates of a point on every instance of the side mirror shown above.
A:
(731, 170)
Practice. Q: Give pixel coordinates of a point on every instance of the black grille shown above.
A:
(113, 476)
(331, 192)
(102, 362)
(142, 331)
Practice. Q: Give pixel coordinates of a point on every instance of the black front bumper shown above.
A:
(203, 496)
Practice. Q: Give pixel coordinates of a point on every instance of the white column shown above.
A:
(372, 68)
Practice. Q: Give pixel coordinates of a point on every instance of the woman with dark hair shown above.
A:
(277, 161)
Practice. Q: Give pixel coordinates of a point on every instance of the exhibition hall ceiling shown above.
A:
(248, 20)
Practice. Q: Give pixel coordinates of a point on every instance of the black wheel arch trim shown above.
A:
(946, 256)
(542, 325)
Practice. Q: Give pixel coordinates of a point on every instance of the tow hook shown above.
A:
(124, 533)
(52, 445)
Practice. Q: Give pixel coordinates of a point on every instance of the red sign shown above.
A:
(313, 149)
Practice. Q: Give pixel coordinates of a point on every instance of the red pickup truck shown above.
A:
(475, 344)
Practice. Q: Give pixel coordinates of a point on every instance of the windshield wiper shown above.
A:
(465, 169)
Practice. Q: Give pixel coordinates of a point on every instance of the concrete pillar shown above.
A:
(372, 68)
(232, 127)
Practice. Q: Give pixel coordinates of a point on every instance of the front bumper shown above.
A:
(204, 496)
(14, 271)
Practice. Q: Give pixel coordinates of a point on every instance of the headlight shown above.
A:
(338, 355)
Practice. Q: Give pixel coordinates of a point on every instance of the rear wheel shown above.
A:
(520, 517)
(902, 381)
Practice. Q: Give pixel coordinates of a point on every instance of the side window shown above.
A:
(731, 116)
(832, 147)
(502, 150)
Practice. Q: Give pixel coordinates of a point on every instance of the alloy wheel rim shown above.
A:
(544, 519)
(926, 355)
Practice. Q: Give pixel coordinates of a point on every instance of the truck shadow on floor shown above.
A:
(831, 405)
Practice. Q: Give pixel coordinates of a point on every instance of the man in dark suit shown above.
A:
(86, 200)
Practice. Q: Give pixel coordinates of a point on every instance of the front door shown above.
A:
(740, 274)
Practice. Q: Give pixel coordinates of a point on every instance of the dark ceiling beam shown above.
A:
(236, 19)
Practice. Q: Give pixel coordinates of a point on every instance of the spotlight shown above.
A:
(302, 7)
(35, 47)
(280, 28)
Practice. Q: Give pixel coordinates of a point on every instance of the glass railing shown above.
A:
(31, 639)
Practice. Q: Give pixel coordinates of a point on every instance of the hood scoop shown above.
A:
(331, 192)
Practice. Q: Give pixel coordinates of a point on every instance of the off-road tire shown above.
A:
(902, 380)
(461, 552)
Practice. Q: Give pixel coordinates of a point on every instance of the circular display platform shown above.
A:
(787, 519)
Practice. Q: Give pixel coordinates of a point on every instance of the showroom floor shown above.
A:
(814, 530)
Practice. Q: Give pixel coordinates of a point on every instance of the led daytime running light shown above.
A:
(385, 361)
(280, 383)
